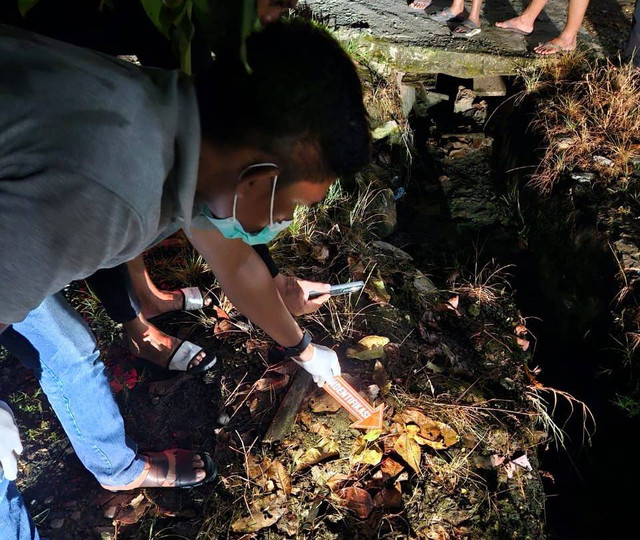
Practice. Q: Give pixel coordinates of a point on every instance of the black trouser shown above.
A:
(114, 289)
(632, 49)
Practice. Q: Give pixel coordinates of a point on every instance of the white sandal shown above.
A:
(193, 298)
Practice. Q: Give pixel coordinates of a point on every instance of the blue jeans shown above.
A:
(58, 346)
(15, 523)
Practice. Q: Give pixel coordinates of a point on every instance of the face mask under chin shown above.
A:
(231, 228)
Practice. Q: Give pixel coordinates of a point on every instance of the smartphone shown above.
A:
(343, 288)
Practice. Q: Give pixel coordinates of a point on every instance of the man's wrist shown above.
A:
(306, 355)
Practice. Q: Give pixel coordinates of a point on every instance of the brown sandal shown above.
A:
(171, 468)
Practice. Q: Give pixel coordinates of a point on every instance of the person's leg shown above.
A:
(56, 343)
(631, 51)
(568, 39)
(524, 22)
(15, 522)
(115, 290)
(474, 13)
(153, 301)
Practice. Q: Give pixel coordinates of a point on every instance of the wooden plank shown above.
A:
(283, 421)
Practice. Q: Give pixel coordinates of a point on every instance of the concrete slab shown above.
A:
(408, 40)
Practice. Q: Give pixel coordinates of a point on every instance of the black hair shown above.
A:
(301, 99)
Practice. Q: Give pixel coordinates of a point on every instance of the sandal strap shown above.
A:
(192, 298)
(182, 357)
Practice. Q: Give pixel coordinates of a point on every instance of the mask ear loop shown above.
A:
(273, 198)
(241, 176)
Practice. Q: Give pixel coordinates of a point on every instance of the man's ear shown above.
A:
(257, 176)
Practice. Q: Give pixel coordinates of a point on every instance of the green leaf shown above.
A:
(249, 23)
(159, 14)
(24, 6)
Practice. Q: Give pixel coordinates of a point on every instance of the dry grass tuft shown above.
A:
(589, 115)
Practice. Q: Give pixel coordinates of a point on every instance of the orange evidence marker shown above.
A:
(366, 416)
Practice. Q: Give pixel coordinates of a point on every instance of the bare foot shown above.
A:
(517, 24)
(420, 5)
(164, 302)
(558, 45)
(148, 342)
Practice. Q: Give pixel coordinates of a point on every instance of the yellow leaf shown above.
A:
(363, 453)
(372, 435)
(373, 342)
(409, 450)
(367, 354)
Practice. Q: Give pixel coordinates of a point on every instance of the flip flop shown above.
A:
(557, 49)
(422, 5)
(183, 356)
(171, 468)
(443, 16)
(469, 29)
(193, 299)
(513, 30)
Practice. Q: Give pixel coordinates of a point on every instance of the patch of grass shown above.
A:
(589, 117)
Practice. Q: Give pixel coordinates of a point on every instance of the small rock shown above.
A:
(464, 100)
(423, 284)
(395, 251)
(604, 161)
(584, 177)
(57, 523)
(76, 515)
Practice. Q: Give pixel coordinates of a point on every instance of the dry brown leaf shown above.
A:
(381, 378)
(390, 467)
(327, 448)
(280, 476)
(523, 343)
(224, 326)
(289, 524)
(520, 330)
(320, 252)
(409, 450)
(220, 313)
(437, 435)
(263, 513)
(336, 480)
(323, 403)
(388, 498)
(357, 500)
(321, 429)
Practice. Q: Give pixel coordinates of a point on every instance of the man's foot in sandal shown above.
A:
(420, 6)
(151, 344)
(172, 468)
(467, 29)
(556, 46)
(160, 302)
(517, 25)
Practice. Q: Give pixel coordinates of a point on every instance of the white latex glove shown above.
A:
(323, 365)
(10, 445)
